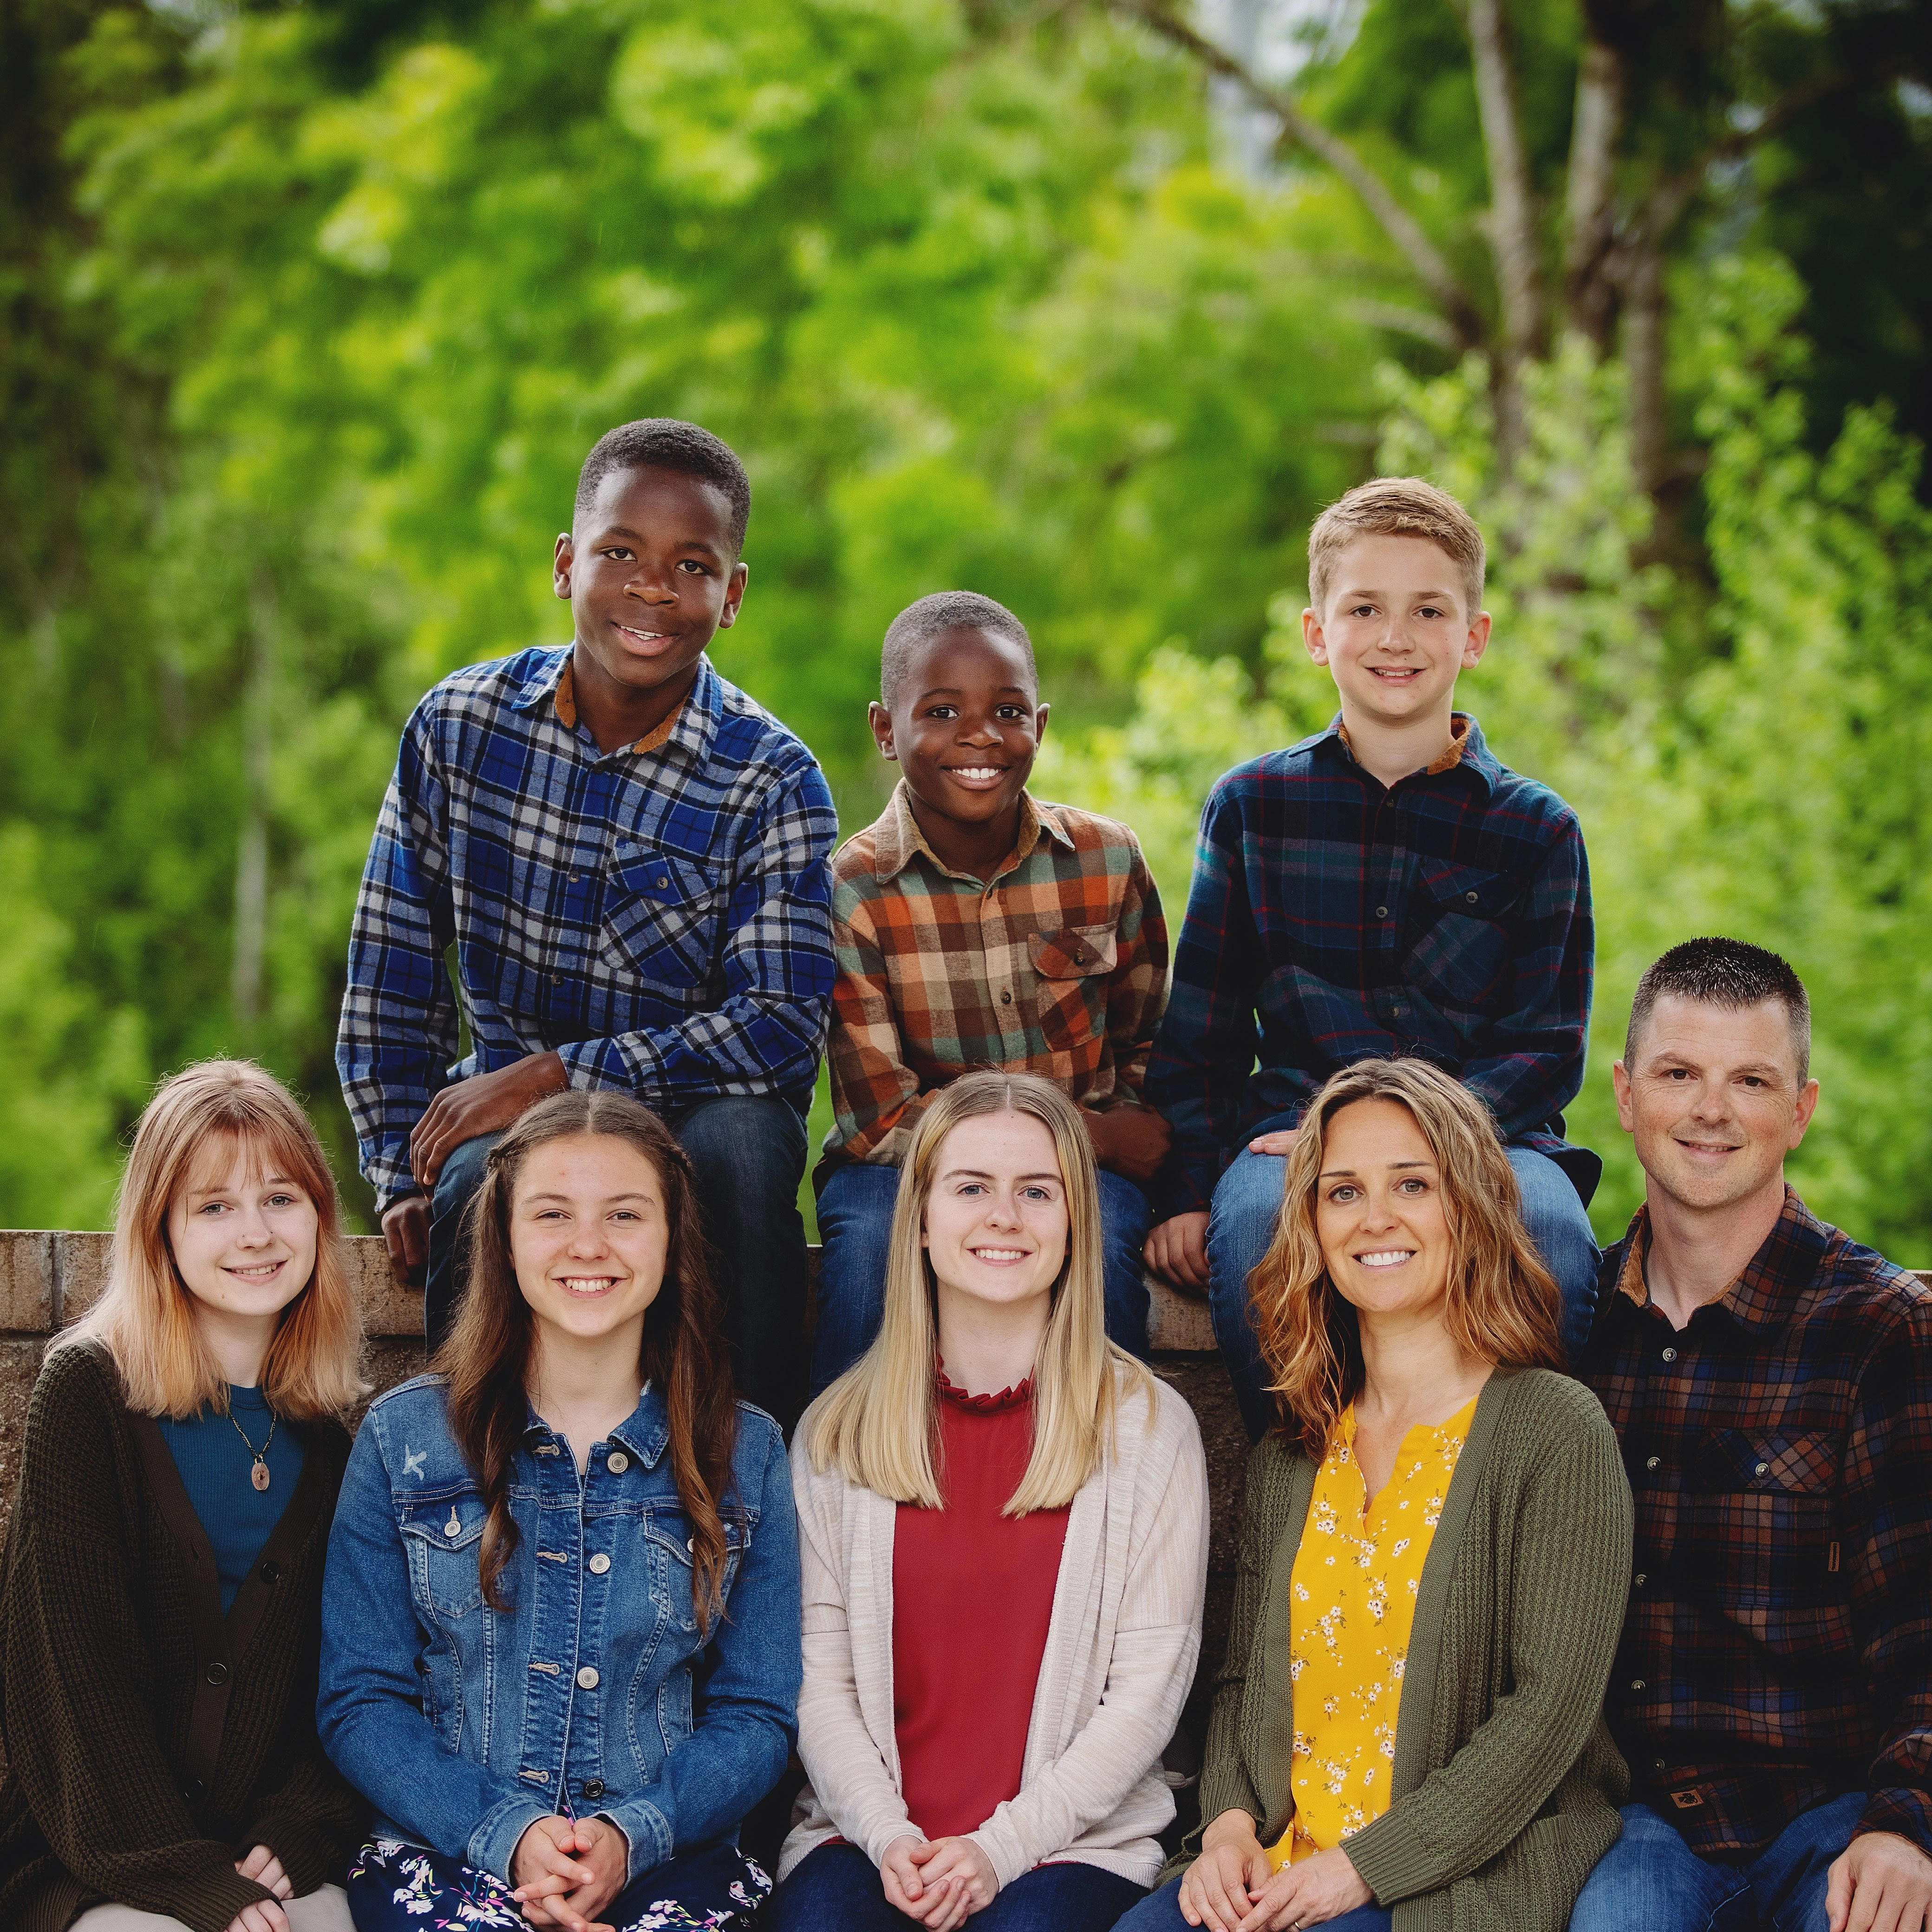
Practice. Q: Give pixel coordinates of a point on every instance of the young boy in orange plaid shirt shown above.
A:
(975, 926)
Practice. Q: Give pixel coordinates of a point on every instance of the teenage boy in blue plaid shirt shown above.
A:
(629, 858)
(1384, 887)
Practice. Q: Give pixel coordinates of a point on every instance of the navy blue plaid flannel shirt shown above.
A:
(661, 918)
(1777, 1650)
(1330, 920)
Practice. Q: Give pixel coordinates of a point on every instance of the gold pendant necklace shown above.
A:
(259, 1474)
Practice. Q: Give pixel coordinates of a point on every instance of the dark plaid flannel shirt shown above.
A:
(658, 915)
(1446, 916)
(1778, 1647)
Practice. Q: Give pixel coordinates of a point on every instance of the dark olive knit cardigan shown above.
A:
(150, 1742)
(1505, 1785)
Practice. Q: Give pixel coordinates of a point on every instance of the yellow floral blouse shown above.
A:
(1353, 1601)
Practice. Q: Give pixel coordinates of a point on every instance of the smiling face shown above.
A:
(996, 1223)
(1713, 1100)
(589, 1234)
(1397, 632)
(652, 575)
(1379, 1212)
(964, 725)
(244, 1236)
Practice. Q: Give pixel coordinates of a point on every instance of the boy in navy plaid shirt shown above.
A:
(1385, 887)
(629, 857)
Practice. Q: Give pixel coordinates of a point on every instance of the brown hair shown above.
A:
(145, 1319)
(487, 1358)
(1395, 506)
(1503, 1306)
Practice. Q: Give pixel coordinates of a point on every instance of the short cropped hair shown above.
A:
(663, 443)
(1724, 972)
(1395, 506)
(919, 623)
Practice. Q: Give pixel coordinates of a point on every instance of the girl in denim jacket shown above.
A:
(560, 1628)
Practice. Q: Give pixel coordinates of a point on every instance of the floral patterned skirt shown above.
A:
(393, 1885)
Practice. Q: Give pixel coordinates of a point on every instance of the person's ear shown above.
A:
(881, 720)
(562, 559)
(1807, 1105)
(734, 595)
(1312, 640)
(1477, 641)
(1040, 723)
(1620, 1085)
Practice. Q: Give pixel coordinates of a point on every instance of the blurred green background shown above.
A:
(311, 312)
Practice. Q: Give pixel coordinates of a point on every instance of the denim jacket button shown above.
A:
(593, 1789)
(587, 1679)
(599, 1564)
(619, 1462)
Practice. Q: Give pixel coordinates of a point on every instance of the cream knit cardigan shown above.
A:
(1119, 1656)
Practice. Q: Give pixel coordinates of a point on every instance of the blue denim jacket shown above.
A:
(463, 1725)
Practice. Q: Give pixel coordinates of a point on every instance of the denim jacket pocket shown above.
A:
(442, 1534)
(1463, 945)
(660, 916)
(675, 1560)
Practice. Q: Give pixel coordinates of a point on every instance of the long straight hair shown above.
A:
(877, 1422)
(145, 1317)
(487, 1360)
(1502, 1305)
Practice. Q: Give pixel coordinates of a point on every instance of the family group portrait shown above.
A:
(967, 964)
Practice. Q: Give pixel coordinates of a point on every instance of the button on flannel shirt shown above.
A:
(658, 915)
(1331, 920)
(1778, 1647)
(1058, 968)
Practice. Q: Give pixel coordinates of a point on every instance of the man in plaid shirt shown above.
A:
(1386, 887)
(1771, 1381)
(628, 857)
(976, 927)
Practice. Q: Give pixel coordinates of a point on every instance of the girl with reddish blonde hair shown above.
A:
(159, 1616)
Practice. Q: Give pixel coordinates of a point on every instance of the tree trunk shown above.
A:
(1589, 285)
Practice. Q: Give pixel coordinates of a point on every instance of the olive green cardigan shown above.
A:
(1505, 1785)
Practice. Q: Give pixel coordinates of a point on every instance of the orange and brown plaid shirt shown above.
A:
(1057, 966)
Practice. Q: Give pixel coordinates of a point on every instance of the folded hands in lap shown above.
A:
(265, 1869)
(940, 1883)
(1233, 1886)
(566, 1872)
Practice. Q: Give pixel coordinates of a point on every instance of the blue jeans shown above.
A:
(1160, 1912)
(1241, 1223)
(855, 1225)
(749, 1155)
(837, 1888)
(1651, 1877)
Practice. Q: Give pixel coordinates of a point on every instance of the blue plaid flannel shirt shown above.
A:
(1330, 920)
(661, 918)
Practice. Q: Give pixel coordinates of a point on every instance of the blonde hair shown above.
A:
(877, 1422)
(1502, 1304)
(145, 1319)
(1395, 506)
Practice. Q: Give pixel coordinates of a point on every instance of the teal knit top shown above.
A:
(216, 1469)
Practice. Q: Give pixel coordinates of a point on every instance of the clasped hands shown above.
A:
(265, 1869)
(566, 1870)
(939, 1882)
(1233, 1887)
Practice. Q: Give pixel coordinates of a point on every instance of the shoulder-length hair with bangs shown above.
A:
(877, 1422)
(487, 1360)
(1502, 1304)
(145, 1317)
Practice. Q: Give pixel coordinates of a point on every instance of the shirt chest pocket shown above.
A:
(660, 916)
(1758, 1531)
(442, 1538)
(1071, 967)
(673, 1553)
(1464, 932)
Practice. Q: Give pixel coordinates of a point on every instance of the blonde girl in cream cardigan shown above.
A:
(1003, 1534)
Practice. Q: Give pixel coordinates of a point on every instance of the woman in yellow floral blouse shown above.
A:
(1408, 1730)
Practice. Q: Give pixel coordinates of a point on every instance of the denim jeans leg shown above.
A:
(1062, 1896)
(1651, 1878)
(1159, 1912)
(836, 1888)
(448, 1268)
(1240, 1224)
(855, 1227)
(749, 1155)
(1789, 1877)
(1124, 1221)
(1554, 1215)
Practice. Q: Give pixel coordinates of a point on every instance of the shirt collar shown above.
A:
(1466, 750)
(900, 841)
(1765, 1296)
(690, 728)
(645, 1431)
